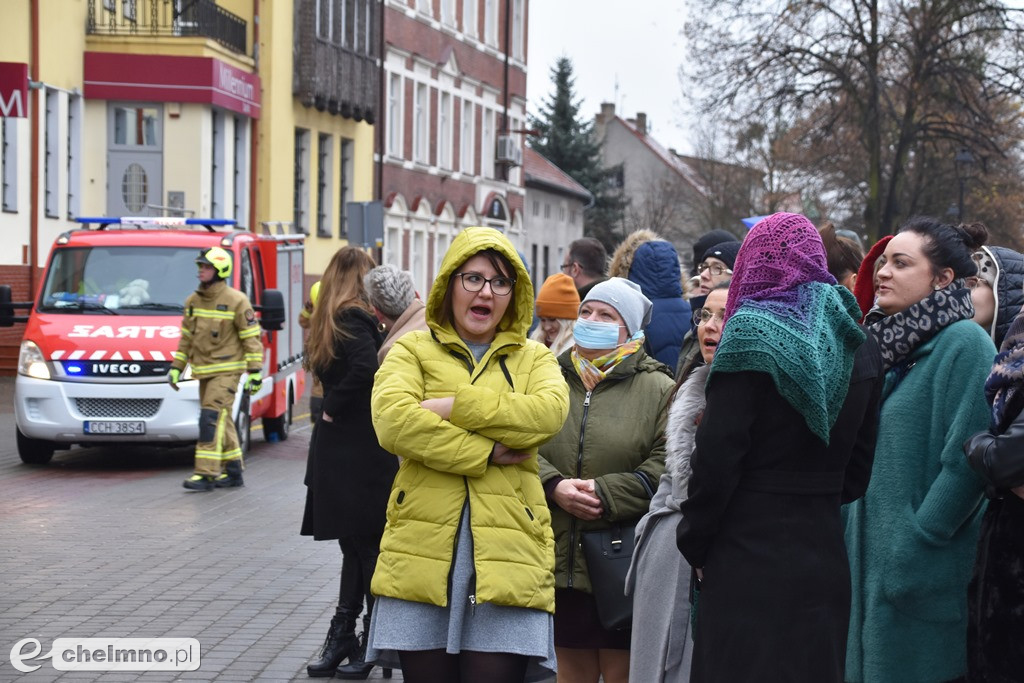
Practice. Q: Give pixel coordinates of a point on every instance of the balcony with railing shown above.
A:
(202, 18)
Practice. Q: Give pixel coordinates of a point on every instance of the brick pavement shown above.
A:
(106, 543)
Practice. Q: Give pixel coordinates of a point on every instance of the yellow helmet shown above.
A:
(314, 292)
(219, 258)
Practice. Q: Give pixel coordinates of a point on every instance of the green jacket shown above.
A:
(618, 440)
(516, 396)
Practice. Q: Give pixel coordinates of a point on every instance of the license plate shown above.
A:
(112, 427)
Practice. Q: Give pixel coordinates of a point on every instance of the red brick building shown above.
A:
(451, 130)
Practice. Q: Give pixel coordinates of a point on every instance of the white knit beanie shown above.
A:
(626, 298)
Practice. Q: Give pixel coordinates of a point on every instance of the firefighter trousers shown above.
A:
(218, 438)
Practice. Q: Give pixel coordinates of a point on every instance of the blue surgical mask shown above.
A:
(595, 335)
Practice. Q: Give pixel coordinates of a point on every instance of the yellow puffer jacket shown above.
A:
(516, 396)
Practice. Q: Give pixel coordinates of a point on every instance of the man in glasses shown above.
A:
(585, 262)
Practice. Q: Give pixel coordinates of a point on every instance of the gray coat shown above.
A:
(662, 644)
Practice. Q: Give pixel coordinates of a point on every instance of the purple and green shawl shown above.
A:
(787, 317)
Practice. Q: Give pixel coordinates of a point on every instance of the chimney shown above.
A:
(607, 111)
(602, 119)
(641, 123)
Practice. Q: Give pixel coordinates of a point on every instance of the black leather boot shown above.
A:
(358, 669)
(232, 476)
(341, 642)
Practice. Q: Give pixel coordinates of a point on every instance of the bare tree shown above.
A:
(873, 81)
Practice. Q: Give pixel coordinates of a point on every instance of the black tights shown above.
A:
(437, 666)
(360, 559)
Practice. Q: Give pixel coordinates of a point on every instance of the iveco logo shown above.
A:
(116, 368)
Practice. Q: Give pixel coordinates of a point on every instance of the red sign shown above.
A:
(13, 90)
(163, 78)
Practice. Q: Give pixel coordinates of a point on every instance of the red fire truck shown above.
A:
(97, 347)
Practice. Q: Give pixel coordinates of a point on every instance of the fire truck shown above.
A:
(93, 363)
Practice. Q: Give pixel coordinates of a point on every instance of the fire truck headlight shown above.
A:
(31, 361)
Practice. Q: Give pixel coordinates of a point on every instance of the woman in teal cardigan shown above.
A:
(912, 538)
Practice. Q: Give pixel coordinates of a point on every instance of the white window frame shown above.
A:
(470, 20)
(491, 22)
(240, 178)
(395, 91)
(74, 165)
(448, 12)
(444, 130)
(324, 187)
(218, 159)
(467, 138)
(345, 191)
(52, 145)
(518, 29)
(488, 145)
(421, 122)
(9, 172)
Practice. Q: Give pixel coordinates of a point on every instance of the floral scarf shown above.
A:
(1004, 385)
(592, 372)
(900, 334)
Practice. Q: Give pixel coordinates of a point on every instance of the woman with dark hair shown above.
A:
(464, 579)
(791, 408)
(348, 475)
(912, 538)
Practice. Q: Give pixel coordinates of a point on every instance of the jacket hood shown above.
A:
(656, 269)
(471, 241)
(1008, 290)
(622, 259)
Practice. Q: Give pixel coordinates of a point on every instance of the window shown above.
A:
(561, 213)
(74, 155)
(517, 29)
(547, 210)
(487, 144)
(536, 208)
(128, 9)
(448, 12)
(547, 262)
(217, 163)
(423, 6)
(325, 19)
(367, 25)
(9, 159)
(491, 22)
(300, 199)
(240, 180)
(51, 174)
(420, 127)
(136, 126)
(345, 167)
(444, 131)
(533, 260)
(395, 115)
(469, 20)
(572, 217)
(467, 142)
(324, 165)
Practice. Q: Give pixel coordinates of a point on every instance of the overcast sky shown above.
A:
(634, 42)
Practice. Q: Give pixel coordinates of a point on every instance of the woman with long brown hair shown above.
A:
(348, 476)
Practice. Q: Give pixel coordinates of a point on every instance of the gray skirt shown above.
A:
(398, 625)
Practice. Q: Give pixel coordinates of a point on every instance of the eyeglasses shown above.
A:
(566, 266)
(715, 269)
(704, 315)
(975, 282)
(474, 282)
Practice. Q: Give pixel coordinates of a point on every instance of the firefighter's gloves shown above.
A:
(254, 383)
(172, 378)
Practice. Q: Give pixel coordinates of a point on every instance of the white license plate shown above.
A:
(112, 427)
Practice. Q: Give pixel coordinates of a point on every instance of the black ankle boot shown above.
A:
(341, 642)
(358, 669)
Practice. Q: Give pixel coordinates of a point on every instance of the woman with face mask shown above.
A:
(603, 467)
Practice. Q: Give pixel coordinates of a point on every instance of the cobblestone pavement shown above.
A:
(106, 543)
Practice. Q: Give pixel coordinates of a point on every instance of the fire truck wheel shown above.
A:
(242, 424)
(34, 451)
(280, 426)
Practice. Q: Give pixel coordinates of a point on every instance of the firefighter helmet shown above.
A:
(219, 258)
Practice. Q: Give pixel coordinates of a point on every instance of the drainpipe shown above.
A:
(380, 127)
(506, 171)
(33, 229)
(254, 140)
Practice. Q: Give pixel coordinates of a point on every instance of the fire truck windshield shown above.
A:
(119, 280)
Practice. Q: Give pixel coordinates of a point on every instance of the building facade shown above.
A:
(554, 214)
(450, 138)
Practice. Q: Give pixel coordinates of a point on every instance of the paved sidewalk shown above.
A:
(106, 543)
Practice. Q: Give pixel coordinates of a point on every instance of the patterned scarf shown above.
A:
(1004, 385)
(591, 372)
(787, 317)
(900, 334)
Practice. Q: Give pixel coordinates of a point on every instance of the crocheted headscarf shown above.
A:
(787, 317)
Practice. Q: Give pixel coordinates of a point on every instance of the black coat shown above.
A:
(348, 475)
(763, 521)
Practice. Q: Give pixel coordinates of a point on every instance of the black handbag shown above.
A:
(608, 554)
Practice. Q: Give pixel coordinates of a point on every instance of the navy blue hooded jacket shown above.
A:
(656, 269)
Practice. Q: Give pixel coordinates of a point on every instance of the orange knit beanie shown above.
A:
(558, 298)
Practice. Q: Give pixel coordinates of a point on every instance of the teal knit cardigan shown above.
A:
(912, 538)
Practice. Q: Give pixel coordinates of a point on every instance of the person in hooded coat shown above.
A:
(998, 290)
(652, 263)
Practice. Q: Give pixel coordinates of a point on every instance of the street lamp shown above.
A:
(964, 162)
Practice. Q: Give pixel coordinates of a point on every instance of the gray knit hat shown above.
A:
(626, 298)
(390, 290)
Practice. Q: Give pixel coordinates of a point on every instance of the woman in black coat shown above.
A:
(995, 598)
(348, 475)
(787, 435)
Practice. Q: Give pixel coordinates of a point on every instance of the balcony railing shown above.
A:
(167, 18)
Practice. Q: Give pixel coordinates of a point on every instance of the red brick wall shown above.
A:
(10, 337)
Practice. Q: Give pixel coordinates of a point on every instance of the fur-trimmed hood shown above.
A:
(622, 259)
(680, 433)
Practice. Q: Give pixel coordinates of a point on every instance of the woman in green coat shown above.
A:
(911, 539)
(604, 465)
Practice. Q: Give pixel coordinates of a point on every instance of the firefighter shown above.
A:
(220, 338)
(316, 394)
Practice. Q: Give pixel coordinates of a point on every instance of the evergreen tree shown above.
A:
(569, 143)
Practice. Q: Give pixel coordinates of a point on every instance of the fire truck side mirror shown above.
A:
(272, 311)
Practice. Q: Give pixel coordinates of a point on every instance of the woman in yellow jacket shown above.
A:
(465, 574)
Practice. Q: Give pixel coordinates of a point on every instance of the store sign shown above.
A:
(13, 90)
